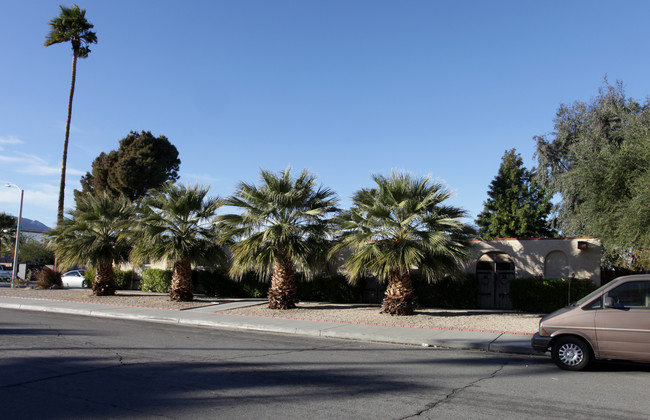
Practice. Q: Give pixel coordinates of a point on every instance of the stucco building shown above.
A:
(496, 261)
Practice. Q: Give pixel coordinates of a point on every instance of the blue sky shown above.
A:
(343, 88)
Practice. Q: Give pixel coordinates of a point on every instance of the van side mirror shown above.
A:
(608, 302)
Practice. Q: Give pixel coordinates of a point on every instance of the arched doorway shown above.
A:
(494, 271)
(556, 265)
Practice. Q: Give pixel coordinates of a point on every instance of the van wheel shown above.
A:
(571, 353)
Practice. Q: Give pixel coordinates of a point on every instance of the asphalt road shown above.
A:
(56, 366)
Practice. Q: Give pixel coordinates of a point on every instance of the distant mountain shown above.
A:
(34, 226)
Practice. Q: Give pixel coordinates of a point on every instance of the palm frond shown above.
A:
(282, 216)
(71, 25)
(177, 223)
(96, 232)
(402, 224)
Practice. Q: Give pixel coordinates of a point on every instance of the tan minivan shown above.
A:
(613, 322)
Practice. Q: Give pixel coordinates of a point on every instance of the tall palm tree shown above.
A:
(282, 227)
(176, 224)
(71, 25)
(400, 225)
(95, 236)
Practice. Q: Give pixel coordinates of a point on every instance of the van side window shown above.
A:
(596, 304)
(635, 294)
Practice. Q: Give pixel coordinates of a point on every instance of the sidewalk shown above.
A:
(213, 316)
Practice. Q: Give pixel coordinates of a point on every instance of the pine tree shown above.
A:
(142, 162)
(516, 206)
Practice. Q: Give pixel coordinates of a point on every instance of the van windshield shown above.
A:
(593, 294)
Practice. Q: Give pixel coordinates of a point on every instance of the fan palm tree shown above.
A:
(71, 25)
(282, 227)
(95, 236)
(397, 226)
(176, 224)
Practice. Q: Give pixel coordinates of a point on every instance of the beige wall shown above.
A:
(550, 258)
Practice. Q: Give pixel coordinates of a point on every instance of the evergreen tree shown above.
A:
(142, 162)
(34, 251)
(597, 160)
(516, 206)
(7, 232)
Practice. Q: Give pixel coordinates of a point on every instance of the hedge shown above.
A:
(458, 293)
(531, 294)
(448, 292)
(123, 279)
(156, 280)
(218, 283)
(326, 288)
(329, 288)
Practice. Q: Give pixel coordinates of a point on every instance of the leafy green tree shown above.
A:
(516, 206)
(176, 224)
(96, 236)
(34, 251)
(597, 159)
(7, 231)
(283, 226)
(70, 26)
(401, 225)
(141, 163)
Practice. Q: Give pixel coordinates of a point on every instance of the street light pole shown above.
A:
(14, 274)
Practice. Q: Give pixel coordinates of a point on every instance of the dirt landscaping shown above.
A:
(476, 320)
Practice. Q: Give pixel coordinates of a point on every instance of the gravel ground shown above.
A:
(476, 320)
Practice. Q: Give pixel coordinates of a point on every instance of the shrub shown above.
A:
(156, 280)
(329, 288)
(252, 286)
(89, 277)
(47, 278)
(211, 281)
(449, 292)
(460, 293)
(123, 279)
(532, 294)
(218, 283)
(228, 287)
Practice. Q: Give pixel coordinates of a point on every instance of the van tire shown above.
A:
(571, 353)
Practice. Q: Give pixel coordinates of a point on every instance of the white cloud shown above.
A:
(196, 178)
(10, 140)
(34, 165)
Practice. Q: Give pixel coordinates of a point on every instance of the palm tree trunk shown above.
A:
(399, 293)
(181, 289)
(282, 293)
(104, 284)
(64, 159)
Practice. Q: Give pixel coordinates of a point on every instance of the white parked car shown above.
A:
(74, 279)
(5, 274)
